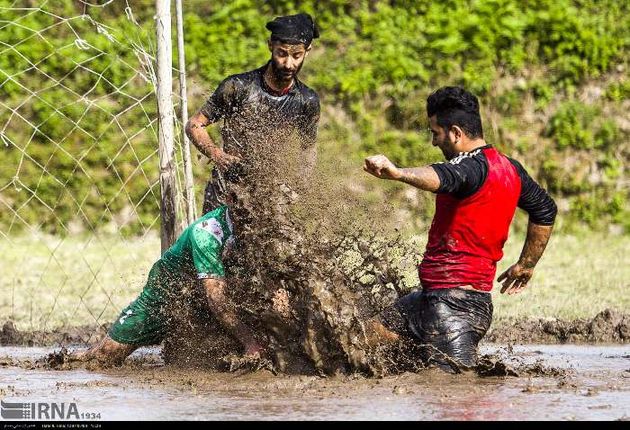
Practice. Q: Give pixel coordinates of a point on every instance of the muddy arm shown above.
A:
(423, 177)
(516, 277)
(196, 132)
(224, 311)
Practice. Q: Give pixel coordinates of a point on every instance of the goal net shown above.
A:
(79, 172)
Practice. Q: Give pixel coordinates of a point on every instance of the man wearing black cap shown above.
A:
(265, 113)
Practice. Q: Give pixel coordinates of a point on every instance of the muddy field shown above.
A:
(308, 276)
(608, 326)
(565, 382)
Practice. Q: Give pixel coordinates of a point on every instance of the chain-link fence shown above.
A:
(79, 177)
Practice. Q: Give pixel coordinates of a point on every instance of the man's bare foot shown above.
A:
(107, 352)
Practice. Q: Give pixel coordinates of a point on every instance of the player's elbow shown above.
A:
(544, 214)
(196, 123)
(191, 125)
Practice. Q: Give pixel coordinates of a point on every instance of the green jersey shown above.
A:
(196, 253)
(199, 248)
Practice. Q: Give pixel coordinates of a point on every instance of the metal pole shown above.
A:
(168, 206)
(189, 195)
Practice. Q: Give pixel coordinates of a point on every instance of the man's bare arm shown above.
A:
(196, 132)
(516, 277)
(424, 178)
(224, 311)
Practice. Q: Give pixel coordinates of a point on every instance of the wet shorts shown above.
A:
(448, 322)
(145, 320)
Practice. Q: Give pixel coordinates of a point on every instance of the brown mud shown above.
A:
(608, 326)
(309, 272)
(10, 335)
(305, 275)
(580, 382)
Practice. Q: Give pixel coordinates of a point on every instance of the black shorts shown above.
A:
(449, 323)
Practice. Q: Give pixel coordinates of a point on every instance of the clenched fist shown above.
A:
(381, 167)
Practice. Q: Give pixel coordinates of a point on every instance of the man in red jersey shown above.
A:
(478, 190)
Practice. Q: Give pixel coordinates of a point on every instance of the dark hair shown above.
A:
(456, 106)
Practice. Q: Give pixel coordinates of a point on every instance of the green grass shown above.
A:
(578, 276)
(48, 282)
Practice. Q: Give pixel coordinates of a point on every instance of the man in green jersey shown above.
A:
(196, 254)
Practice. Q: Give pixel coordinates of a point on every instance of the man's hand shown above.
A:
(196, 132)
(223, 160)
(381, 167)
(515, 278)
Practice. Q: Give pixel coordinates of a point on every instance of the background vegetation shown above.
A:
(552, 76)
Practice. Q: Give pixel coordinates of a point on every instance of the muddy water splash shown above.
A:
(309, 271)
(306, 273)
(595, 388)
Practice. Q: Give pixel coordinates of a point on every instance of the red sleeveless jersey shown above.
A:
(467, 235)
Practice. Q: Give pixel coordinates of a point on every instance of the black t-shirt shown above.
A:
(253, 115)
(464, 175)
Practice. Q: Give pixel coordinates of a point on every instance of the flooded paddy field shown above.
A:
(554, 382)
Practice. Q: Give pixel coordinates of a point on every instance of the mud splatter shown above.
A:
(309, 271)
(506, 363)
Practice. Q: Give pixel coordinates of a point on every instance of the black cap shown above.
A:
(293, 29)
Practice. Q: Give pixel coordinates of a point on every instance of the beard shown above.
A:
(281, 74)
(447, 148)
